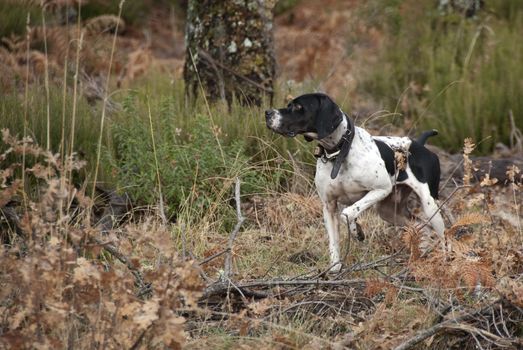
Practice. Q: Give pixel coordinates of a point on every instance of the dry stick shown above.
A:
(212, 257)
(124, 260)
(516, 137)
(410, 343)
(75, 98)
(161, 206)
(207, 105)
(234, 233)
(219, 76)
(26, 107)
(221, 287)
(46, 77)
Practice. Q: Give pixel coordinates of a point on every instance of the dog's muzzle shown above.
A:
(273, 119)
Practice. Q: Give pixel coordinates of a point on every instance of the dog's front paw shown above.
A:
(348, 214)
(335, 268)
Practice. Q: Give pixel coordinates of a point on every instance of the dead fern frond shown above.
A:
(488, 181)
(138, 63)
(512, 174)
(7, 194)
(400, 159)
(471, 219)
(104, 24)
(374, 287)
(468, 168)
(474, 272)
(412, 239)
(512, 290)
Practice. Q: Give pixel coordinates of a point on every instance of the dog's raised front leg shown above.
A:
(372, 197)
(330, 215)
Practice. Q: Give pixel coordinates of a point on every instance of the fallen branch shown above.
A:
(222, 287)
(212, 257)
(451, 323)
(124, 260)
(228, 258)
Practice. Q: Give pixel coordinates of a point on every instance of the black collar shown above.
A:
(339, 152)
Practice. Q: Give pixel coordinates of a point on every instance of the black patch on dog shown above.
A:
(425, 166)
(387, 154)
(328, 116)
(425, 135)
(402, 176)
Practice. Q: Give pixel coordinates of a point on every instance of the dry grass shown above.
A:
(67, 282)
(76, 274)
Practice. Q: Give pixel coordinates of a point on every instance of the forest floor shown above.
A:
(145, 282)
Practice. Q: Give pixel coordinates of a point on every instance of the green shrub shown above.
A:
(198, 157)
(13, 17)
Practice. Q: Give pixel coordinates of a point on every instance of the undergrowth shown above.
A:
(144, 281)
(60, 287)
(441, 70)
(195, 151)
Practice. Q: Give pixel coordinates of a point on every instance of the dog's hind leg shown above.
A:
(330, 215)
(430, 208)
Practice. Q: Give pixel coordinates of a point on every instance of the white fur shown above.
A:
(362, 182)
(395, 142)
(275, 121)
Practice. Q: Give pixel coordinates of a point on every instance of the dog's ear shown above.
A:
(328, 117)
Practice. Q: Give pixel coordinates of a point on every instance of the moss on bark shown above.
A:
(230, 49)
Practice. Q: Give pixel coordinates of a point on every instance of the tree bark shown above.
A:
(230, 50)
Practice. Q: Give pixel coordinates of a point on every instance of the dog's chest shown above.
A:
(346, 187)
(361, 172)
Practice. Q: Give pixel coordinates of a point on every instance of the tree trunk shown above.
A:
(230, 50)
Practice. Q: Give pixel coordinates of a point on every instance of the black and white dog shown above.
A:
(355, 170)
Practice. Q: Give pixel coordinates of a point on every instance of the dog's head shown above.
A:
(315, 116)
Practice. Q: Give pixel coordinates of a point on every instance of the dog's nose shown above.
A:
(269, 113)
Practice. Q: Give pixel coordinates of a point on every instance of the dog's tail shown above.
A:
(425, 135)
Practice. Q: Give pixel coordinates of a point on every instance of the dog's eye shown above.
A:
(298, 107)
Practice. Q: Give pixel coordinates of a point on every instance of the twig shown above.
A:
(219, 76)
(451, 323)
(124, 260)
(138, 341)
(212, 257)
(223, 286)
(499, 341)
(228, 258)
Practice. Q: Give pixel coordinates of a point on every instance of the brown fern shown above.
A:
(412, 239)
(468, 168)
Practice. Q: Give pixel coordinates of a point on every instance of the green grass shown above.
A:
(197, 149)
(470, 70)
(13, 17)
(87, 120)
